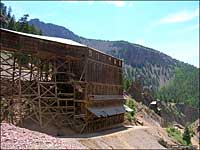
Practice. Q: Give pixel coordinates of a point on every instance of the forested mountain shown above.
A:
(184, 88)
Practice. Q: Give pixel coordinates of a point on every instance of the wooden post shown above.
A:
(39, 71)
(20, 89)
(13, 86)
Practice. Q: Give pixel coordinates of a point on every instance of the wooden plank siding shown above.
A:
(61, 83)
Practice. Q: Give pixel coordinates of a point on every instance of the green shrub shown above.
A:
(162, 142)
(176, 135)
(187, 135)
(130, 103)
(128, 116)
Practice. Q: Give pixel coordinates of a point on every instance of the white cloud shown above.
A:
(179, 17)
(186, 29)
(183, 16)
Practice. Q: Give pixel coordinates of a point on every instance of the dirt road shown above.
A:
(137, 137)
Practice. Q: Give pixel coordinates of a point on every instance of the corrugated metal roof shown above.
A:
(55, 39)
(153, 103)
(107, 111)
(106, 97)
(59, 40)
(128, 109)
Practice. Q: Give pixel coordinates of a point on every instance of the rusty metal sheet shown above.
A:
(107, 111)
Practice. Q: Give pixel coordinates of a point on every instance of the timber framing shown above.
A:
(51, 80)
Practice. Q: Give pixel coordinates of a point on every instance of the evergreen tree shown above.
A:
(126, 83)
(12, 23)
(3, 10)
(32, 29)
(187, 136)
(183, 88)
(23, 24)
(3, 15)
(8, 21)
(9, 13)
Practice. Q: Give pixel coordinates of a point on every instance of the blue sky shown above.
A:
(170, 27)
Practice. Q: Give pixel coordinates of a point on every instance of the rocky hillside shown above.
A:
(130, 137)
(14, 137)
(153, 67)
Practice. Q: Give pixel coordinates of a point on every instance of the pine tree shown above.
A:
(32, 29)
(3, 10)
(23, 24)
(9, 13)
(8, 21)
(187, 136)
(3, 20)
(12, 24)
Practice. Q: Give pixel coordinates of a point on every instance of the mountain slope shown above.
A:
(54, 30)
(153, 68)
(187, 78)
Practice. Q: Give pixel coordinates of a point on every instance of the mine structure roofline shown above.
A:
(57, 40)
(107, 110)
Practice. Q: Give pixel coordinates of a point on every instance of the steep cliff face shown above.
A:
(172, 113)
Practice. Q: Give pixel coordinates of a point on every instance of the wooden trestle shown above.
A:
(47, 87)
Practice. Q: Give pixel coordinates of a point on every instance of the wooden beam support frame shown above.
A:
(35, 85)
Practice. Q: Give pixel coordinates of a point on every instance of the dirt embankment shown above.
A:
(133, 137)
(13, 137)
(149, 118)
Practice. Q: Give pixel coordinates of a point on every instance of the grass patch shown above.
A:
(130, 116)
(131, 104)
(162, 142)
(176, 135)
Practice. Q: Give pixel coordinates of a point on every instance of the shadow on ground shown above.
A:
(65, 132)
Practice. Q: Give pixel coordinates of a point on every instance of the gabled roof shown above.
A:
(59, 40)
(54, 39)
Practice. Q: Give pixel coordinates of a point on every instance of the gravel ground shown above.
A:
(135, 137)
(138, 137)
(13, 137)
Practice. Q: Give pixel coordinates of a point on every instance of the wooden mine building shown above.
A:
(59, 81)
